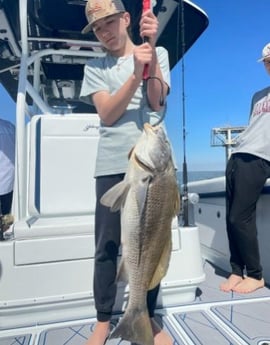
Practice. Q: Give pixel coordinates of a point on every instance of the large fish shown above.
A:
(148, 198)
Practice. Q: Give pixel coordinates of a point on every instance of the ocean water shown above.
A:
(199, 175)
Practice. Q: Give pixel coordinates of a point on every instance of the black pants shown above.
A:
(107, 241)
(5, 203)
(246, 175)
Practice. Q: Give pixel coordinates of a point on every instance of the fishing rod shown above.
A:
(185, 170)
(146, 5)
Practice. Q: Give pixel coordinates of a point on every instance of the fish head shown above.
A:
(153, 150)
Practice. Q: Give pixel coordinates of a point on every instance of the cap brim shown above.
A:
(86, 29)
(263, 58)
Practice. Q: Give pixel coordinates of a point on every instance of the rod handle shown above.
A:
(146, 6)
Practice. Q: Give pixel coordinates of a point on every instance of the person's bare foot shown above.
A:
(100, 334)
(230, 283)
(161, 337)
(248, 285)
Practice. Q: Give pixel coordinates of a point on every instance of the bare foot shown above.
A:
(161, 337)
(230, 283)
(248, 285)
(100, 334)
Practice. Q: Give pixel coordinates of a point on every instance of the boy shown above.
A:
(114, 84)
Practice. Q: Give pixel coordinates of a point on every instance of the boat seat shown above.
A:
(61, 184)
(60, 203)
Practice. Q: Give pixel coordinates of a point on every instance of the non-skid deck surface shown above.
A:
(214, 318)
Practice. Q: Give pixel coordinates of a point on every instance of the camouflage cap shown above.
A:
(97, 9)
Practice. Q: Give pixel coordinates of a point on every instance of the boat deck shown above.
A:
(214, 317)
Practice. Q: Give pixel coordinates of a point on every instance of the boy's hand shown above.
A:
(149, 27)
(143, 55)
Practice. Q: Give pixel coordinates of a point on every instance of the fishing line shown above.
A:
(146, 5)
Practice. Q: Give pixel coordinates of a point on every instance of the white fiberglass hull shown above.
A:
(210, 218)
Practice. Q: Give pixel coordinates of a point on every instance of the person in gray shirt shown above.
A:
(124, 102)
(7, 162)
(247, 171)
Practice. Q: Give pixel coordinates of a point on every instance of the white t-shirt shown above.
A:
(256, 137)
(109, 73)
(7, 156)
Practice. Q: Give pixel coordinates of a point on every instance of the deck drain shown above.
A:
(264, 342)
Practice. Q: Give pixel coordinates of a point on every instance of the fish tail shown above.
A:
(135, 326)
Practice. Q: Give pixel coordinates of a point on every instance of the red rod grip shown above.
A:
(146, 6)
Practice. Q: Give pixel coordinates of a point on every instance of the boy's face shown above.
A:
(266, 62)
(111, 31)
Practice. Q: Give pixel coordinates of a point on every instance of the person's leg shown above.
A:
(235, 259)
(107, 241)
(6, 202)
(5, 209)
(250, 177)
(100, 333)
(251, 256)
(152, 296)
(161, 337)
(250, 174)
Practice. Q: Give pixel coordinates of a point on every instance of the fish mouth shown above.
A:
(150, 129)
(145, 162)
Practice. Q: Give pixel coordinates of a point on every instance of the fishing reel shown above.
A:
(188, 201)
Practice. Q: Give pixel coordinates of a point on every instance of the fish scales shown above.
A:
(149, 199)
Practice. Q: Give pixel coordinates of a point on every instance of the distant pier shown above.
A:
(226, 137)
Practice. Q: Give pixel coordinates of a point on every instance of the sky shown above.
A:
(221, 74)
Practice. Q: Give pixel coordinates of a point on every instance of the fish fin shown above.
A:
(142, 190)
(122, 274)
(135, 326)
(116, 196)
(177, 202)
(130, 152)
(163, 265)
